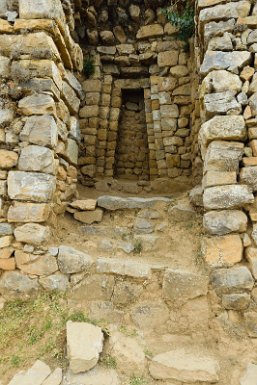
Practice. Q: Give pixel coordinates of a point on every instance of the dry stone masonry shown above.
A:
(148, 110)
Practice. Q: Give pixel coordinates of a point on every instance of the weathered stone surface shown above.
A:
(6, 116)
(180, 286)
(5, 241)
(123, 267)
(16, 282)
(35, 9)
(31, 186)
(185, 366)
(236, 301)
(7, 264)
(3, 8)
(95, 287)
(8, 159)
(37, 104)
(143, 226)
(225, 197)
(56, 281)
(254, 233)
(251, 256)
(40, 130)
(222, 251)
(196, 196)
(221, 103)
(223, 156)
(213, 28)
(148, 315)
(34, 376)
(96, 376)
(43, 265)
(248, 175)
(6, 229)
(250, 375)
(219, 178)
(148, 31)
(222, 127)
(218, 60)
(28, 212)
(129, 355)
(221, 43)
(54, 378)
(43, 159)
(225, 11)
(70, 97)
(126, 293)
(119, 203)
(85, 204)
(71, 151)
(73, 261)
(89, 217)
(225, 222)
(32, 233)
(233, 279)
(167, 58)
(84, 344)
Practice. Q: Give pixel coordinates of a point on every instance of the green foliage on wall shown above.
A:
(89, 66)
(182, 19)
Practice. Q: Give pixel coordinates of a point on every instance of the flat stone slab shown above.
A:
(123, 267)
(84, 344)
(96, 376)
(184, 366)
(109, 202)
(250, 375)
(36, 375)
(55, 378)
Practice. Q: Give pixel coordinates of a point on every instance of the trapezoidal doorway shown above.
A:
(132, 152)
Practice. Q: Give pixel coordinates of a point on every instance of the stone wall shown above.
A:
(227, 37)
(39, 128)
(141, 52)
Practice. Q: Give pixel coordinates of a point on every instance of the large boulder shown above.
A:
(17, 283)
(32, 233)
(227, 197)
(234, 279)
(225, 222)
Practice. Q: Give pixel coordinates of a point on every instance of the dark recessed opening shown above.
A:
(132, 153)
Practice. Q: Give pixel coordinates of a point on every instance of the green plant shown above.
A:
(109, 362)
(15, 361)
(137, 381)
(89, 66)
(182, 19)
(138, 247)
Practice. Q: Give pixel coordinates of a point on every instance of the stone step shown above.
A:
(36, 375)
(113, 203)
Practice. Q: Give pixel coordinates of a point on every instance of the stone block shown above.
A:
(40, 130)
(237, 302)
(55, 378)
(221, 103)
(55, 281)
(3, 8)
(4, 64)
(221, 81)
(37, 158)
(227, 197)
(223, 156)
(32, 233)
(16, 282)
(167, 58)
(5, 241)
(36, 9)
(35, 375)
(89, 217)
(42, 265)
(180, 286)
(219, 60)
(31, 186)
(6, 229)
(96, 376)
(72, 261)
(185, 366)
(251, 256)
(84, 205)
(250, 375)
(149, 315)
(8, 159)
(237, 278)
(95, 287)
(222, 128)
(92, 85)
(84, 344)
(219, 178)
(6, 116)
(37, 45)
(37, 104)
(28, 212)
(224, 251)
(129, 355)
(113, 203)
(248, 176)
(72, 151)
(225, 222)
(70, 97)
(148, 31)
(225, 11)
(123, 267)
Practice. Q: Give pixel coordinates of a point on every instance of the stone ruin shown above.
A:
(151, 110)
